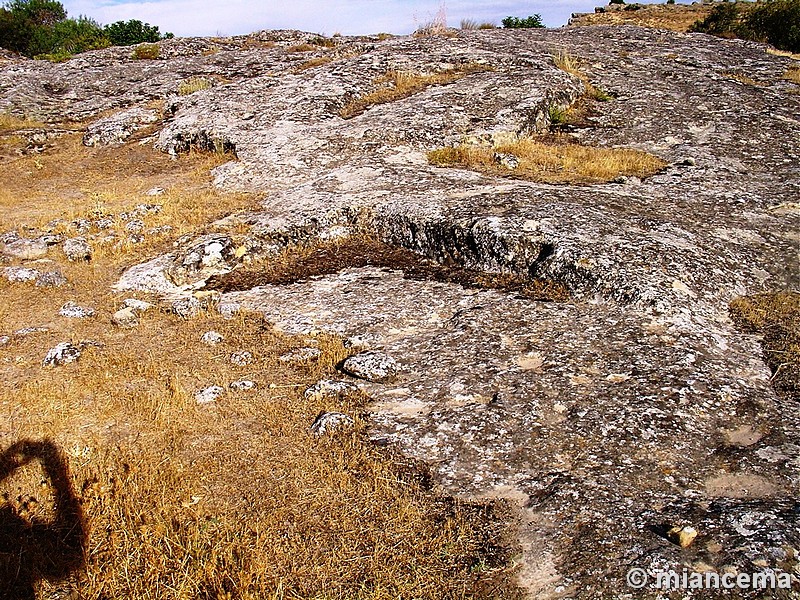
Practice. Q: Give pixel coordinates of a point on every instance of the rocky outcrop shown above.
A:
(615, 421)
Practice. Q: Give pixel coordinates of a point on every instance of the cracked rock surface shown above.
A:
(632, 411)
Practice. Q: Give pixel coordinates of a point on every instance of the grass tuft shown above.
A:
(146, 52)
(194, 84)
(396, 85)
(574, 66)
(776, 316)
(793, 74)
(552, 159)
(9, 122)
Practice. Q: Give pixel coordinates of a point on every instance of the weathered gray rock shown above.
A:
(77, 249)
(242, 358)
(72, 310)
(328, 422)
(50, 279)
(125, 317)
(372, 366)
(187, 308)
(209, 394)
(603, 418)
(211, 338)
(118, 127)
(62, 354)
(20, 274)
(136, 305)
(301, 355)
(243, 385)
(5, 340)
(25, 249)
(330, 388)
(31, 330)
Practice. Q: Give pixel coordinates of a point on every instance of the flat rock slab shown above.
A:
(580, 412)
(632, 412)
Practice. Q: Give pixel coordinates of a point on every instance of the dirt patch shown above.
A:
(298, 265)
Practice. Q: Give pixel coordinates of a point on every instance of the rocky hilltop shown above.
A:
(612, 417)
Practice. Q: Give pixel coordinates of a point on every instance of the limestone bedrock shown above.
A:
(610, 420)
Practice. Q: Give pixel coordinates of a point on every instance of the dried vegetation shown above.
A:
(230, 500)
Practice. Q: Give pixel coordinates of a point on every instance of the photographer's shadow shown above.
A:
(32, 550)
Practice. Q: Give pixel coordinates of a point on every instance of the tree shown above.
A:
(531, 22)
(127, 33)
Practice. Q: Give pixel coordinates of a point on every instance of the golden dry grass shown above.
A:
(551, 159)
(574, 66)
(396, 85)
(302, 48)
(744, 79)
(9, 122)
(192, 85)
(231, 500)
(776, 316)
(675, 17)
(314, 62)
(793, 74)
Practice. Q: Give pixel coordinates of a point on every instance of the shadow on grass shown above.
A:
(32, 550)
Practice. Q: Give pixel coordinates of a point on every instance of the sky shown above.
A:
(348, 17)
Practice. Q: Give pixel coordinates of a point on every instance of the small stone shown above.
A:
(507, 160)
(682, 535)
(187, 308)
(372, 366)
(147, 209)
(74, 311)
(51, 279)
(77, 249)
(242, 359)
(62, 354)
(81, 225)
(104, 223)
(30, 330)
(25, 249)
(5, 340)
(244, 385)
(209, 394)
(689, 162)
(300, 355)
(329, 388)
(52, 239)
(156, 191)
(327, 422)
(125, 317)
(137, 306)
(211, 338)
(135, 226)
(20, 274)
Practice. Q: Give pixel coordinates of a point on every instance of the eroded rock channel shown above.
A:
(630, 406)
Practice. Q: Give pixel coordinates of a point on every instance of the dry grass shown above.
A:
(194, 84)
(776, 316)
(232, 500)
(744, 79)
(9, 122)
(793, 74)
(302, 48)
(574, 66)
(146, 52)
(551, 159)
(396, 85)
(314, 62)
(675, 17)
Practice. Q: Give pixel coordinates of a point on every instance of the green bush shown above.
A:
(531, 22)
(617, 2)
(41, 29)
(776, 22)
(773, 21)
(128, 33)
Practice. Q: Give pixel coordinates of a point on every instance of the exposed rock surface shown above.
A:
(609, 418)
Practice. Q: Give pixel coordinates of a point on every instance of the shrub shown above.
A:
(487, 25)
(617, 2)
(670, 1)
(773, 21)
(531, 22)
(776, 22)
(146, 52)
(128, 33)
(192, 85)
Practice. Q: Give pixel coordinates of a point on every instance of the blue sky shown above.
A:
(348, 17)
